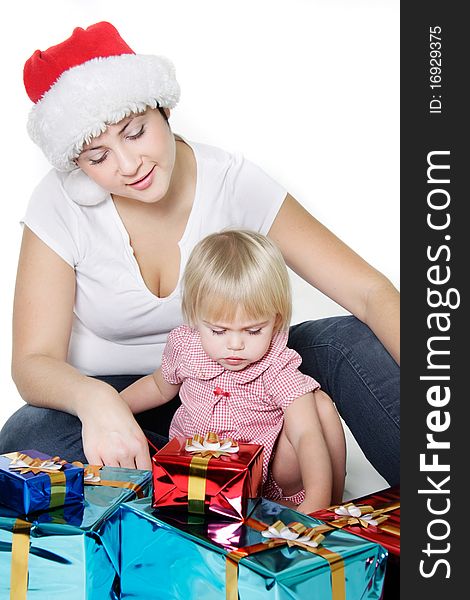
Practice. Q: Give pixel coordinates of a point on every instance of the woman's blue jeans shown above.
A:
(341, 353)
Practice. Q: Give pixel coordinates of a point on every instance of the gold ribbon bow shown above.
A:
(294, 534)
(25, 464)
(297, 534)
(210, 445)
(52, 467)
(92, 476)
(364, 516)
(203, 449)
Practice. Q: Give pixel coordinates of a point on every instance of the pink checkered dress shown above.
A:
(245, 405)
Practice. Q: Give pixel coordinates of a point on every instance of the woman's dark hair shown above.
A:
(163, 113)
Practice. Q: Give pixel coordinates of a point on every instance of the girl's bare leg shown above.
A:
(301, 458)
(285, 466)
(336, 443)
(311, 452)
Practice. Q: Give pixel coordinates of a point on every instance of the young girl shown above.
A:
(235, 375)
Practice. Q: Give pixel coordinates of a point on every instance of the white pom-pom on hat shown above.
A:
(83, 190)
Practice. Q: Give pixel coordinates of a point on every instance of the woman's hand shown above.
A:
(111, 435)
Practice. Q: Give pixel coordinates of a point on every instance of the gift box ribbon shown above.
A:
(92, 476)
(295, 534)
(19, 560)
(25, 464)
(52, 468)
(364, 516)
(203, 449)
(211, 445)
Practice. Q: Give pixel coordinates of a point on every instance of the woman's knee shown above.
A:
(36, 428)
(343, 332)
(337, 348)
(16, 427)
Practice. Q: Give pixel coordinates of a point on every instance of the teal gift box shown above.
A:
(31, 481)
(175, 557)
(70, 552)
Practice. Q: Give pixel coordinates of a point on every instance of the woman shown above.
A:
(107, 234)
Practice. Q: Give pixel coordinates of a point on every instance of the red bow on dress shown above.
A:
(220, 392)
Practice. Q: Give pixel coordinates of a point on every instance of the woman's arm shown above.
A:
(148, 392)
(327, 263)
(42, 321)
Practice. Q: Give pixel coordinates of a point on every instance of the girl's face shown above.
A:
(134, 158)
(238, 343)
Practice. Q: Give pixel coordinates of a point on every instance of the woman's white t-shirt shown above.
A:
(120, 326)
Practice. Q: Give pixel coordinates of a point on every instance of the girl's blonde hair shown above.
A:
(236, 270)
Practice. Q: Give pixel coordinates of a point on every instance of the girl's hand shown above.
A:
(111, 435)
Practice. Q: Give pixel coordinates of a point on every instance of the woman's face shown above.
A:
(133, 158)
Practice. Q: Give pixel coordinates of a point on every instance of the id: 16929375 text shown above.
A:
(435, 69)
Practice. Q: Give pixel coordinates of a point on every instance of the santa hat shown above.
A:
(82, 85)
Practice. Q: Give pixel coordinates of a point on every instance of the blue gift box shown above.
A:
(30, 492)
(73, 550)
(172, 557)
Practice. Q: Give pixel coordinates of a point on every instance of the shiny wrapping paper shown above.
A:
(187, 557)
(74, 551)
(225, 484)
(30, 492)
(382, 534)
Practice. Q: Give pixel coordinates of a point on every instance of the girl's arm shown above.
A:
(148, 392)
(328, 264)
(42, 322)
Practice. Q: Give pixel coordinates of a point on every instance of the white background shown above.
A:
(308, 89)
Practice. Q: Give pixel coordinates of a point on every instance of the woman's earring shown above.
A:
(83, 190)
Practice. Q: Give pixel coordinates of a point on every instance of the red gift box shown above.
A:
(386, 532)
(218, 476)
